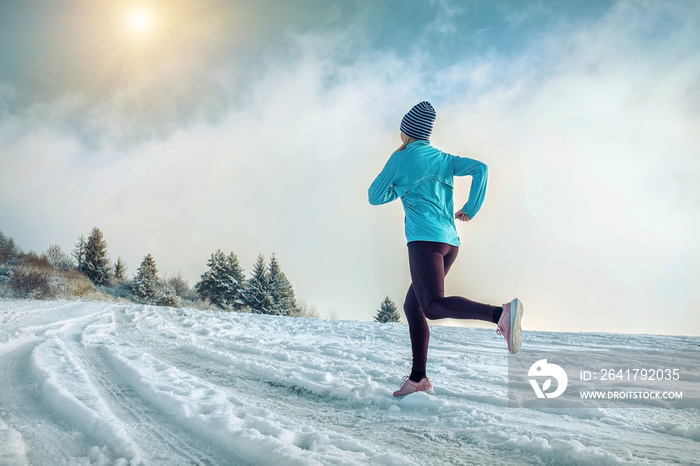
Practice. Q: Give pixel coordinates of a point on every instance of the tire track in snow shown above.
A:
(67, 389)
(12, 448)
(154, 429)
(242, 426)
(335, 414)
(251, 366)
(266, 373)
(258, 379)
(23, 407)
(54, 370)
(14, 328)
(263, 403)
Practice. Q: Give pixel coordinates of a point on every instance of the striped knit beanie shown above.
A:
(418, 122)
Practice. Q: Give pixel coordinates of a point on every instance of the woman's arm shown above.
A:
(462, 166)
(382, 189)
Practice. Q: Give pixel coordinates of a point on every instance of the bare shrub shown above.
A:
(32, 282)
(78, 284)
(98, 295)
(32, 260)
(181, 286)
(199, 304)
(205, 304)
(58, 258)
(305, 310)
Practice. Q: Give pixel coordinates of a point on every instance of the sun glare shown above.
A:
(140, 21)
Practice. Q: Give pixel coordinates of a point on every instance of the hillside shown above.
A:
(103, 383)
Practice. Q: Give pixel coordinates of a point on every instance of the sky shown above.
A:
(179, 128)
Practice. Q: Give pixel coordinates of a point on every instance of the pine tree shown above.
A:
(96, 262)
(224, 283)
(387, 312)
(145, 285)
(167, 296)
(9, 252)
(283, 300)
(258, 295)
(79, 252)
(120, 270)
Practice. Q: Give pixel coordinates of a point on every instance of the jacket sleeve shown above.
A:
(462, 166)
(382, 189)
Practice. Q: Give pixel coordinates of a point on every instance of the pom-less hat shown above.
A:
(418, 122)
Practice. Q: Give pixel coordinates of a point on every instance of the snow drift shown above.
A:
(97, 383)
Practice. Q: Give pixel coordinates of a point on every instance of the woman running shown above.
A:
(422, 176)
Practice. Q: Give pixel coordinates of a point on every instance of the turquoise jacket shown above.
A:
(422, 176)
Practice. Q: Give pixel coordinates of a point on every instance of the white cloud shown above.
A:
(444, 22)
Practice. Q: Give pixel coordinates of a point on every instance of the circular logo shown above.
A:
(542, 368)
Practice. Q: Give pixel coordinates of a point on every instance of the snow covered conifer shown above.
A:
(145, 284)
(79, 252)
(120, 270)
(223, 284)
(167, 296)
(258, 295)
(95, 265)
(283, 300)
(387, 312)
(9, 252)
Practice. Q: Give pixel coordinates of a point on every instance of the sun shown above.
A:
(140, 21)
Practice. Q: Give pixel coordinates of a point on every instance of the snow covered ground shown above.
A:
(102, 383)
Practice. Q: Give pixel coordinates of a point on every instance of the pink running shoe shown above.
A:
(409, 386)
(509, 325)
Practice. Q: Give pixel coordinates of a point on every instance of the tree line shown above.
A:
(223, 285)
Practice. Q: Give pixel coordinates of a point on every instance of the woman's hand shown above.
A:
(460, 215)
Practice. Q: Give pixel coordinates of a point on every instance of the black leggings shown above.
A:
(430, 262)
